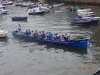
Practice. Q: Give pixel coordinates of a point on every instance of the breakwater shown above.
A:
(78, 2)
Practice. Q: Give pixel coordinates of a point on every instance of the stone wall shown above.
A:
(86, 2)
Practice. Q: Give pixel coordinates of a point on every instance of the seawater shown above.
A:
(19, 57)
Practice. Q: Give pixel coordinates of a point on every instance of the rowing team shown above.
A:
(43, 35)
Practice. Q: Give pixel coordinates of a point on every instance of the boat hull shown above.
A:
(36, 13)
(7, 3)
(19, 18)
(74, 43)
(80, 22)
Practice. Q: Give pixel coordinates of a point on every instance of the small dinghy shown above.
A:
(19, 18)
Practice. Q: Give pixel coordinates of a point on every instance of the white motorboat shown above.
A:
(3, 11)
(84, 10)
(35, 11)
(45, 9)
(2, 7)
(86, 14)
(3, 33)
(7, 2)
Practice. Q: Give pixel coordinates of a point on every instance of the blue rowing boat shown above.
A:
(80, 42)
(19, 18)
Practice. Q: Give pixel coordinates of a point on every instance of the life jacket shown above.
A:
(66, 38)
(43, 35)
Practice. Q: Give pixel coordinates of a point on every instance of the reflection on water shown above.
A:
(50, 45)
(70, 49)
(3, 41)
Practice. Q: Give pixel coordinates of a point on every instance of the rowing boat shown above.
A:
(80, 42)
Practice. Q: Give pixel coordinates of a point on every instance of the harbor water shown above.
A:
(20, 57)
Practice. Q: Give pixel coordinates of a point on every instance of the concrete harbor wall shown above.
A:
(86, 2)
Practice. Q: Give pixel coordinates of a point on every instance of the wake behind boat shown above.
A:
(78, 42)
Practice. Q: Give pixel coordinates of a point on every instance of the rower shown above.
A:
(26, 32)
(56, 37)
(36, 33)
(47, 35)
(42, 34)
(66, 38)
(19, 28)
(50, 35)
(29, 32)
(32, 33)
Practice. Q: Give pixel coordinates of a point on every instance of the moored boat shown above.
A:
(3, 33)
(3, 11)
(2, 7)
(80, 22)
(19, 18)
(7, 2)
(75, 8)
(84, 10)
(86, 14)
(35, 11)
(18, 4)
(78, 42)
(57, 5)
(91, 19)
